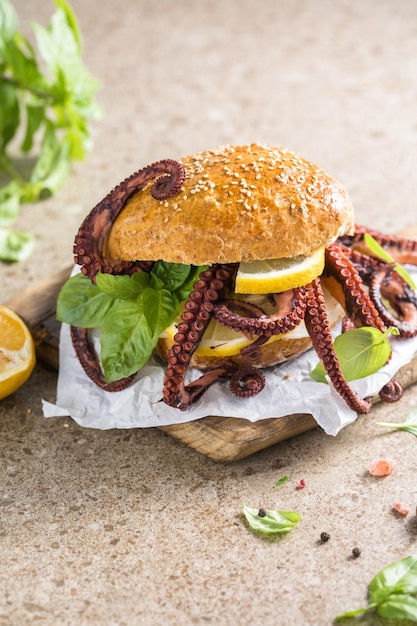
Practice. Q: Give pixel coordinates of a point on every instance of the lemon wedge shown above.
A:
(277, 275)
(17, 352)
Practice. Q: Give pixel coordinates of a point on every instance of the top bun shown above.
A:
(237, 204)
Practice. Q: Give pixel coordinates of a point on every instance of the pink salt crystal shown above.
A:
(383, 467)
(401, 508)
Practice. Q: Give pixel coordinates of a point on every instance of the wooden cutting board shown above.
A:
(222, 439)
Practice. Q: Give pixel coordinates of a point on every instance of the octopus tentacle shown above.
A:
(196, 388)
(402, 249)
(289, 314)
(385, 283)
(392, 391)
(88, 360)
(365, 265)
(347, 324)
(318, 328)
(89, 246)
(356, 301)
(247, 382)
(213, 284)
(252, 352)
(389, 285)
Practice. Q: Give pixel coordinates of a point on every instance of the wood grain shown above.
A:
(220, 438)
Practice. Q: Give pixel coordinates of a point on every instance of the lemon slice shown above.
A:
(17, 352)
(276, 275)
(218, 340)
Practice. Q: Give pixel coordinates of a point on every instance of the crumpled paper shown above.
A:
(288, 390)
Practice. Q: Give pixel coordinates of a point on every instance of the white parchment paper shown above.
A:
(288, 390)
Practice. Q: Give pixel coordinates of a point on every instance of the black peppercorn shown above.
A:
(325, 537)
(356, 552)
(262, 512)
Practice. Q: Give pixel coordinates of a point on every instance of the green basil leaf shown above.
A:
(354, 613)
(172, 275)
(281, 481)
(23, 73)
(35, 115)
(15, 246)
(126, 340)
(361, 352)
(53, 164)
(123, 286)
(53, 43)
(82, 304)
(8, 21)
(9, 203)
(397, 578)
(9, 113)
(71, 21)
(131, 316)
(273, 522)
(160, 307)
(399, 606)
(380, 252)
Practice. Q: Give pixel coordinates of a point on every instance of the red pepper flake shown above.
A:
(383, 467)
(301, 484)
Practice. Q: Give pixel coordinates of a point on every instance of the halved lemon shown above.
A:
(17, 352)
(276, 275)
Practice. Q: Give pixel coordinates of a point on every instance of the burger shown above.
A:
(231, 240)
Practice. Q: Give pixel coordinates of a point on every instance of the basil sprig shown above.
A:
(392, 592)
(409, 426)
(47, 99)
(131, 311)
(360, 351)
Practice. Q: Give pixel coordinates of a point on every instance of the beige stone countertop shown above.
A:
(132, 527)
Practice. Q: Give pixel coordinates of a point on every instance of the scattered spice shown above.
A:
(324, 537)
(401, 508)
(356, 552)
(262, 512)
(382, 467)
(412, 524)
(301, 484)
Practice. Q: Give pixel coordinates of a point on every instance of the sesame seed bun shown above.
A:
(237, 204)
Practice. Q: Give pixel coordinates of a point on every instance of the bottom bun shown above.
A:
(278, 349)
(271, 353)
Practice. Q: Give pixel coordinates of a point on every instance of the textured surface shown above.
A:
(131, 527)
